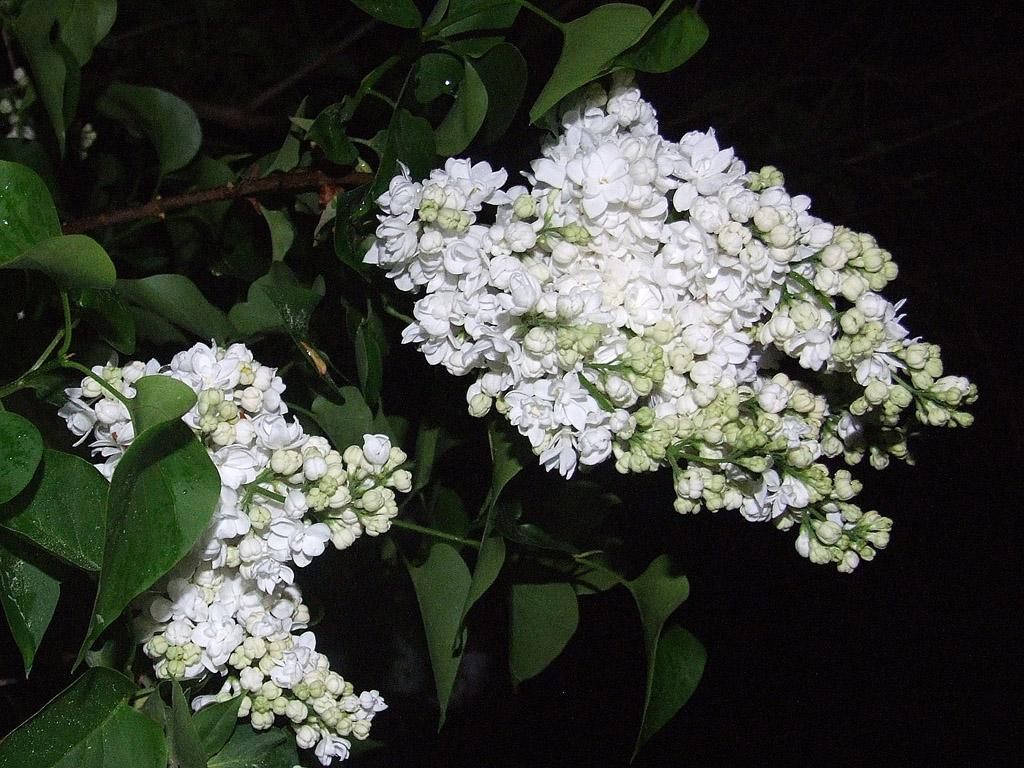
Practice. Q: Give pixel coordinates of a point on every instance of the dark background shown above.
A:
(899, 119)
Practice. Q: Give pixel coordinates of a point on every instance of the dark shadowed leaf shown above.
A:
(277, 302)
(658, 591)
(165, 120)
(503, 72)
(344, 423)
(464, 119)
(104, 311)
(442, 585)
(176, 299)
(183, 744)
(437, 74)
(544, 618)
(399, 13)
(215, 723)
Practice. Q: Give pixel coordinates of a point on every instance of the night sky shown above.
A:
(901, 120)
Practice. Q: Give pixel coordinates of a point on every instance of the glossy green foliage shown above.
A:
(162, 495)
(88, 724)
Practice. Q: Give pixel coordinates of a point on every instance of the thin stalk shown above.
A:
(399, 523)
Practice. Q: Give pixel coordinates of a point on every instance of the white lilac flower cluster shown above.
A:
(231, 607)
(14, 103)
(633, 301)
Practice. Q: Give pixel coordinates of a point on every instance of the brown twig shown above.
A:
(159, 207)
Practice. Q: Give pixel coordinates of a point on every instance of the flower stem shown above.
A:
(806, 284)
(98, 379)
(399, 523)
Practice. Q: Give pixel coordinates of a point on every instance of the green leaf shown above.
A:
(398, 13)
(104, 311)
(464, 119)
(63, 510)
(21, 448)
(153, 707)
(503, 72)
(505, 464)
(591, 43)
(282, 231)
(671, 40)
(468, 36)
(183, 744)
(344, 424)
(442, 585)
(154, 328)
(277, 302)
(489, 562)
(87, 724)
(329, 133)
(176, 299)
(159, 399)
(432, 442)
(658, 591)
(544, 618)
(215, 723)
(370, 345)
(414, 143)
(437, 74)
(287, 157)
(447, 512)
(168, 122)
(55, 71)
(71, 261)
(83, 24)
(347, 243)
(29, 597)
(678, 666)
(27, 214)
(272, 748)
(162, 495)
(491, 557)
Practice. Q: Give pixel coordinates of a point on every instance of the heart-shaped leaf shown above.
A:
(71, 261)
(166, 120)
(27, 214)
(87, 724)
(467, 114)
(672, 39)
(21, 448)
(544, 618)
(159, 399)
(399, 13)
(162, 495)
(176, 299)
(29, 596)
(442, 585)
(591, 43)
(215, 723)
(63, 510)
